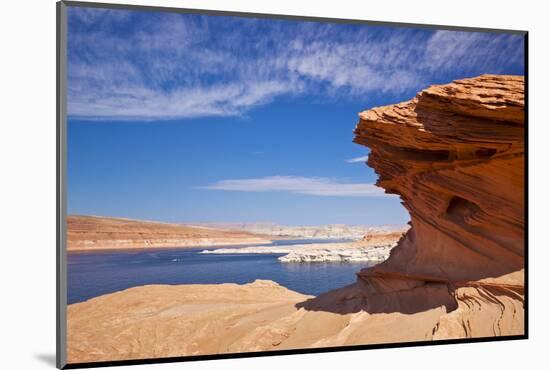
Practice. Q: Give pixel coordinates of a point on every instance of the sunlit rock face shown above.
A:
(455, 155)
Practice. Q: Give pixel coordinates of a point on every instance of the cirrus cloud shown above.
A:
(362, 159)
(132, 65)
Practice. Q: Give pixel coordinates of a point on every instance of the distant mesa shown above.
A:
(334, 231)
(103, 233)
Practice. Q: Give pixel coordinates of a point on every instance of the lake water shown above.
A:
(91, 274)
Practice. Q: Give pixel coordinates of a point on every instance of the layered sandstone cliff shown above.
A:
(455, 155)
(99, 233)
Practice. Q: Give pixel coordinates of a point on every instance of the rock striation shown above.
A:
(455, 156)
(100, 233)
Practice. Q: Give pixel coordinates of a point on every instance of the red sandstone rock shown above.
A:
(455, 155)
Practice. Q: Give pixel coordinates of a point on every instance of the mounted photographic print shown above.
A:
(234, 184)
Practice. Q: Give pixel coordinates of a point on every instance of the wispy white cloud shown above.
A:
(144, 103)
(130, 65)
(320, 186)
(90, 16)
(446, 50)
(358, 159)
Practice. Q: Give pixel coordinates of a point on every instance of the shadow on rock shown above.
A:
(356, 298)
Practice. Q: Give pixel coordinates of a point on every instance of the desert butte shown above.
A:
(92, 233)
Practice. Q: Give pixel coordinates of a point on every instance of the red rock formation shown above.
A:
(455, 155)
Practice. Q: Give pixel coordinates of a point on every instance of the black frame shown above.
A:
(61, 278)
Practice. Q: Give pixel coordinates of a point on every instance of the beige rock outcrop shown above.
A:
(99, 233)
(174, 320)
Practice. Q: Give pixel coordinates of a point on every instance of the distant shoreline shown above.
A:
(96, 233)
(93, 233)
(220, 245)
(161, 247)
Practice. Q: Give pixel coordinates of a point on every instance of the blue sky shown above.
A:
(186, 118)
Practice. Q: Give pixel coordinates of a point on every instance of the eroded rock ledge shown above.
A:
(455, 155)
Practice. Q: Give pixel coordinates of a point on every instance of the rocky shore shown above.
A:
(375, 250)
(358, 254)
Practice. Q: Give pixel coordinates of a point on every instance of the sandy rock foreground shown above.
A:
(180, 320)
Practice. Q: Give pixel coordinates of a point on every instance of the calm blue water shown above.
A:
(91, 274)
